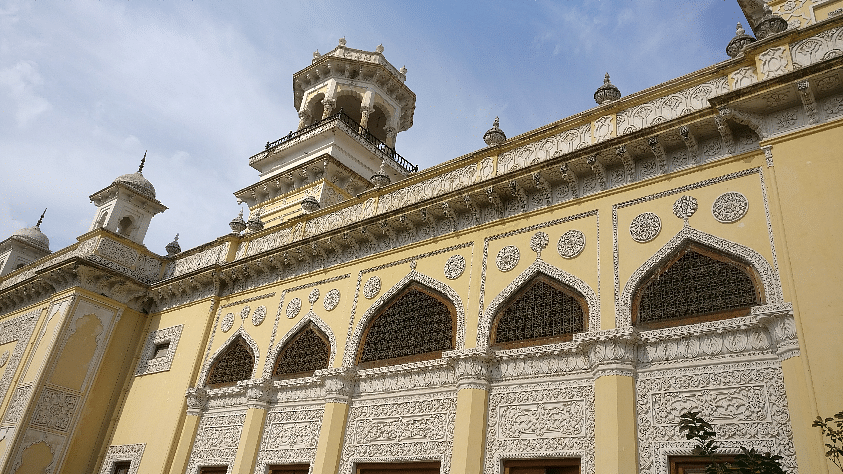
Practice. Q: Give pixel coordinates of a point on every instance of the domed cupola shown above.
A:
(127, 206)
(23, 247)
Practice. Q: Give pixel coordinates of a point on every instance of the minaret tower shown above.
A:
(351, 106)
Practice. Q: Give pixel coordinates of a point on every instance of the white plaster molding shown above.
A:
(769, 277)
(216, 442)
(353, 345)
(536, 268)
(148, 363)
(122, 453)
(290, 436)
(203, 377)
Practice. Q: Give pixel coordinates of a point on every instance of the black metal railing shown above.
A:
(355, 129)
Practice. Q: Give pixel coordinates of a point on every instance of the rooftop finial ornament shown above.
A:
(770, 24)
(379, 48)
(173, 247)
(607, 92)
(342, 41)
(739, 42)
(143, 161)
(238, 224)
(41, 219)
(494, 136)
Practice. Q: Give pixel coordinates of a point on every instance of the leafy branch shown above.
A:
(835, 435)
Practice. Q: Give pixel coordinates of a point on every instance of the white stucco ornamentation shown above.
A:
(293, 308)
(259, 315)
(216, 441)
(290, 435)
(571, 244)
(122, 453)
(508, 258)
(773, 62)
(685, 207)
(645, 227)
(227, 322)
(454, 267)
(372, 287)
(729, 207)
(546, 420)
(149, 363)
(331, 300)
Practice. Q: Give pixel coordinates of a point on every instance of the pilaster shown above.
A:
(257, 395)
(472, 374)
(338, 385)
(197, 399)
(615, 434)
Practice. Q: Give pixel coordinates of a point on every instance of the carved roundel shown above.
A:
(331, 300)
(4, 358)
(571, 244)
(372, 287)
(293, 308)
(508, 258)
(454, 267)
(685, 207)
(313, 297)
(244, 313)
(645, 227)
(729, 207)
(539, 242)
(227, 322)
(259, 315)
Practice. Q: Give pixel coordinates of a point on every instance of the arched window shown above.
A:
(417, 324)
(235, 363)
(696, 284)
(542, 311)
(307, 351)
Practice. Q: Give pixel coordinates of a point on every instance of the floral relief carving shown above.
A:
(121, 453)
(290, 435)
(645, 227)
(508, 258)
(293, 308)
(671, 106)
(539, 242)
(685, 207)
(825, 45)
(55, 409)
(773, 62)
(603, 128)
(18, 403)
(834, 106)
(197, 260)
(244, 313)
(149, 363)
(313, 296)
(743, 77)
(16, 329)
(729, 207)
(545, 420)
(571, 244)
(401, 429)
(216, 441)
(331, 300)
(744, 401)
(259, 315)
(454, 267)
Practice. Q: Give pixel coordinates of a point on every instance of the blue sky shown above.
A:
(86, 87)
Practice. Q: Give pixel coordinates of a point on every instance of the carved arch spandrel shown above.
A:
(309, 318)
(352, 346)
(768, 276)
(539, 267)
(203, 377)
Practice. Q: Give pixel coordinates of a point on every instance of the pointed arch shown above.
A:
(352, 348)
(766, 274)
(252, 345)
(539, 267)
(309, 318)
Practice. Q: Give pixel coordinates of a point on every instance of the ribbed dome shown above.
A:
(33, 236)
(137, 182)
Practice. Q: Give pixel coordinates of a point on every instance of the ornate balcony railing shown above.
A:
(354, 128)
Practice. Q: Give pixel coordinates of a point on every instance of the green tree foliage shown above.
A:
(834, 435)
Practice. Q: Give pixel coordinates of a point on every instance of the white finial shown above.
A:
(176, 239)
(316, 54)
(342, 41)
(379, 48)
(403, 70)
(739, 30)
(606, 79)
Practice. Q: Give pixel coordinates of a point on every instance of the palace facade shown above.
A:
(550, 303)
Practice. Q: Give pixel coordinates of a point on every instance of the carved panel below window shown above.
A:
(696, 282)
(418, 321)
(543, 309)
(307, 351)
(234, 364)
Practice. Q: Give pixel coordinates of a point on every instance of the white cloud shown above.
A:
(19, 82)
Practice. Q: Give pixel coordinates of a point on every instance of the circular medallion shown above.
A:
(259, 315)
(4, 358)
(293, 308)
(454, 267)
(685, 207)
(539, 242)
(227, 322)
(331, 300)
(729, 207)
(645, 227)
(508, 258)
(571, 244)
(372, 287)
(244, 313)
(313, 297)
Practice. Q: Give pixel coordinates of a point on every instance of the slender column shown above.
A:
(257, 395)
(338, 383)
(614, 431)
(196, 401)
(390, 136)
(472, 371)
(329, 107)
(304, 118)
(364, 117)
